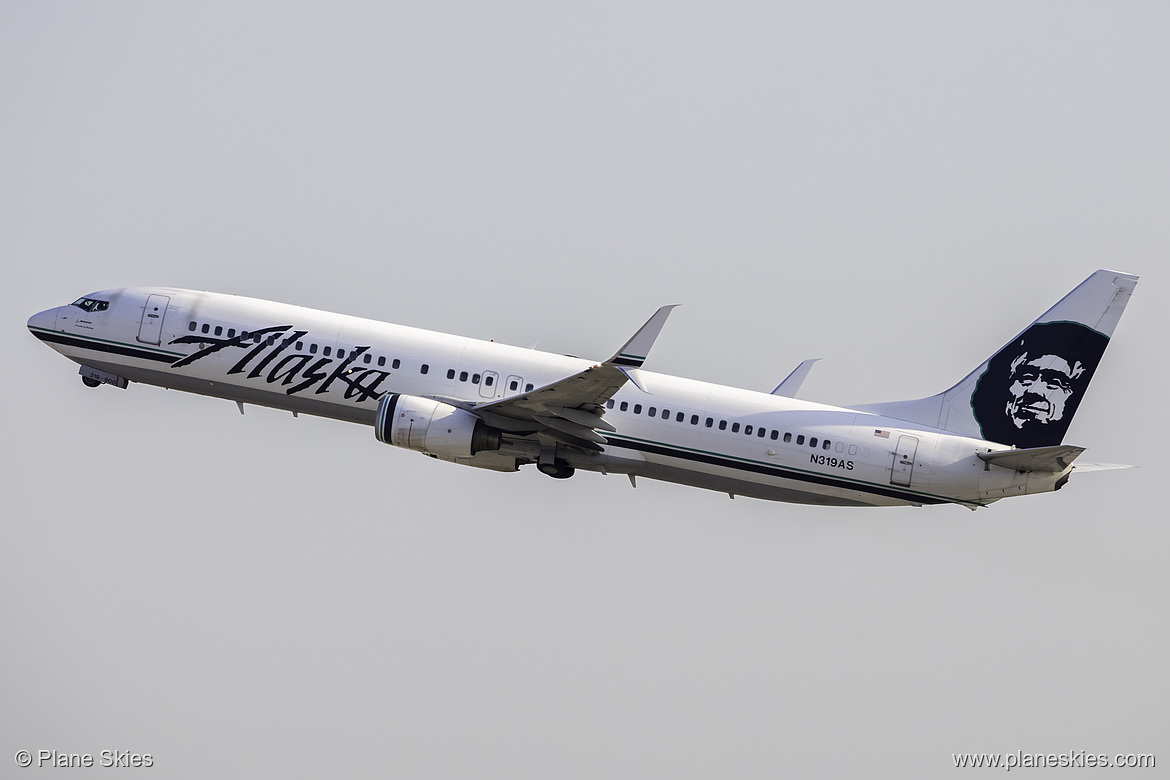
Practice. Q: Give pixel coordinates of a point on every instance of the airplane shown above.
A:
(996, 433)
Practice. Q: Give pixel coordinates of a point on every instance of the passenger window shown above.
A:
(852, 449)
(723, 425)
(475, 379)
(775, 435)
(206, 328)
(787, 437)
(365, 358)
(609, 404)
(191, 326)
(312, 349)
(272, 342)
(812, 442)
(488, 380)
(300, 346)
(514, 386)
(735, 427)
(761, 432)
(326, 351)
(528, 387)
(709, 422)
(747, 430)
(679, 417)
(637, 408)
(424, 368)
(826, 444)
(653, 411)
(665, 414)
(625, 405)
(462, 376)
(381, 360)
(397, 363)
(694, 419)
(219, 330)
(340, 354)
(450, 373)
(800, 439)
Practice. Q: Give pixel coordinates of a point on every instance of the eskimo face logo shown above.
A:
(1040, 388)
(1032, 387)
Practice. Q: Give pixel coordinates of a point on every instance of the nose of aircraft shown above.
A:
(42, 320)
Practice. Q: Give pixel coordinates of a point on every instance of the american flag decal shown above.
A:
(881, 434)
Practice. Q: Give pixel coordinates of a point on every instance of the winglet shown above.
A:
(633, 354)
(793, 381)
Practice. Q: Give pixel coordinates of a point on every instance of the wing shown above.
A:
(570, 409)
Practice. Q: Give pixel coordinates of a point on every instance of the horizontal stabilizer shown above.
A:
(1102, 466)
(1050, 459)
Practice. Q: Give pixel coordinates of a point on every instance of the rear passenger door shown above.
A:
(902, 468)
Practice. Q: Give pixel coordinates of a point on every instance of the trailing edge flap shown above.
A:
(1050, 459)
(574, 405)
(791, 384)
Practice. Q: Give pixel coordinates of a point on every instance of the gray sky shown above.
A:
(897, 188)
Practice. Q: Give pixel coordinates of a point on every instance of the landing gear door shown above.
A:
(150, 331)
(903, 466)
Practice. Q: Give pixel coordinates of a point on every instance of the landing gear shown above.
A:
(557, 469)
(94, 378)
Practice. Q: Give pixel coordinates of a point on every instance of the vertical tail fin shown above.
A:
(1027, 393)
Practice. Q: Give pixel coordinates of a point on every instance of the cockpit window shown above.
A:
(91, 304)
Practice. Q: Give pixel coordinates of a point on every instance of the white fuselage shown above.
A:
(679, 430)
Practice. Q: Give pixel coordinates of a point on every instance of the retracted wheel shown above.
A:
(90, 382)
(557, 469)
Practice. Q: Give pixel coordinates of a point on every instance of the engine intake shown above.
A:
(432, 427)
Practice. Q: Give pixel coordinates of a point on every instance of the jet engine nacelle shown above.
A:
(433, 427)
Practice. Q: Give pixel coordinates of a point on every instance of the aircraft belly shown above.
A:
(770, 490)
(773, 482)
(243, 393)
